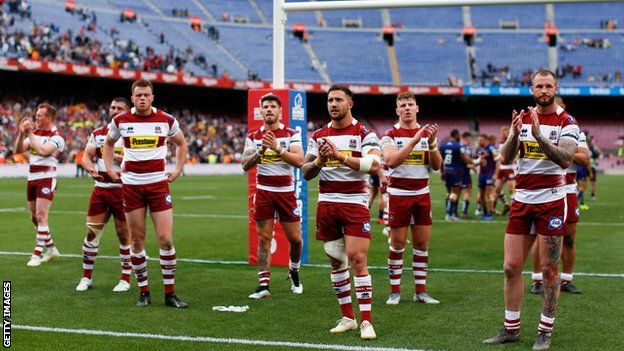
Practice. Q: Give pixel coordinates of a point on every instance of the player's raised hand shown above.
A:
(330, 149)
(535, 126)
(516, 121)
(26, 126)
(432, 130)
(420, 133)
(269, 141)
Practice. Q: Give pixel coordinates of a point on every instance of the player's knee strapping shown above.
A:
(453, 197)
(337, 250)
(97, 229)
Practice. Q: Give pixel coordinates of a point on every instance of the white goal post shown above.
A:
(280, 8)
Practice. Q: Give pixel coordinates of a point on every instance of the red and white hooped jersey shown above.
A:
(540, 180)
(97, 139)
(42, 167)
(571, 185)
(144, 144)
(337, 182)
(274, 174)
(411, 178)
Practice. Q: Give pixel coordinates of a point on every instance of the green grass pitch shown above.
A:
(210, 224)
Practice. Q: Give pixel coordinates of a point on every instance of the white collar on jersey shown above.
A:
(281, 126)
(558, 111)
(133, 110)
(398, 125)
(354, 122)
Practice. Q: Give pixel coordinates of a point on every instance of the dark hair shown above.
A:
(454, 133)
(543, 72)
(50, 110)
(406, 95)
(123, 100)
(341, 88)
(271, 97)
(143, 83)
(466, 135)
(483, 135)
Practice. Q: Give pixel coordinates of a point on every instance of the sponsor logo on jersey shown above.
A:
(332, 162)
(283, 144)
(144, 142)
(532, 150)
(157, 130)
(415, 158)
(270, 156)
(553, 135)
(555, 223)
(352, 144)
(366, 227)
(524, 132)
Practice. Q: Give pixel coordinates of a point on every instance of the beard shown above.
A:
(339, 117)
(547, 102)
(270, 119)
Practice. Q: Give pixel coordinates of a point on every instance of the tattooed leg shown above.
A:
(265, 235)
(550, 252)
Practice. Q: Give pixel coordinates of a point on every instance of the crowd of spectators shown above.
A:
(211, 139)
(90, 45)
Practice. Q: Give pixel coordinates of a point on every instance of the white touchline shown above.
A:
(316, 265)
(208, 339)
(245, 216)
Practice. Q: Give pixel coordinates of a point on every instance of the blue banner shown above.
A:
(525, 91)
(299, 121)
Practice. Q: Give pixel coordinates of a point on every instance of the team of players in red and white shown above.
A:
(342, 154)
(136, 137)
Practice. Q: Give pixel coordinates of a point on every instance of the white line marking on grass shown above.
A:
(245, 216)
(317, 265)
(207, 339)
(13, 209)
(199, 197)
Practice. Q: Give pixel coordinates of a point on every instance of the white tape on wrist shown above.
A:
(366, 163)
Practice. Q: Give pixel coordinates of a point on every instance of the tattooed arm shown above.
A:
(562, 154)
(509, 150)
(250, 159)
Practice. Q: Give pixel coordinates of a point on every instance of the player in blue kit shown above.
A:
(466, 143)
(487, 155)
(453, 161)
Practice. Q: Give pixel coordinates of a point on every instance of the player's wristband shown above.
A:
(345, 160)
(434, 149)
(259, 153)
(281, 152)
(319, 165)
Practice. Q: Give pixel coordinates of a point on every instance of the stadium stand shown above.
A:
(438, 59)
(524, 16)
(428, 18)
(428, 42)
